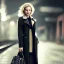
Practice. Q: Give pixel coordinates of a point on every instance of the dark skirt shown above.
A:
(31, 60)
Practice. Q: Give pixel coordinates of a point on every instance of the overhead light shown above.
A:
(3, 14)
(12, 23)
(19, 13)
(36, 34)
(50, 19)
(3, 18)
(50, 9)
(0, 10)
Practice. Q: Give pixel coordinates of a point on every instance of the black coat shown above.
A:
(23, 39)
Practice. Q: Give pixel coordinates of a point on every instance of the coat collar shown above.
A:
(25, 17)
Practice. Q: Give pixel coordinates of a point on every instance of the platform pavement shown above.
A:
(48, 53)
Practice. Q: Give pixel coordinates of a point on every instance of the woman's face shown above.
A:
(27, 11)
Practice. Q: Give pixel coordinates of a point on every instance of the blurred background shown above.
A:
(49, 30)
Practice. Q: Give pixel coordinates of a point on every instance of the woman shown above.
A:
(26, 34)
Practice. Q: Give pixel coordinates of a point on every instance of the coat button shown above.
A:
(25, 36)
(22, 34)
(25, 25)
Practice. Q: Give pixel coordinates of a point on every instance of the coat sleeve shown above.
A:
(36, 39)
(20, 33)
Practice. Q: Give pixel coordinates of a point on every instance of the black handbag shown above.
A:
(19, 59)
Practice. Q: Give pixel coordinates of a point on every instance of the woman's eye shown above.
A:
(29, 10)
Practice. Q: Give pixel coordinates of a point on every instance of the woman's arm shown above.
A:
(36, 39)
(20, 33)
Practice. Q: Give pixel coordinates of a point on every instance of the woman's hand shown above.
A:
(36, 40)
(21, 49)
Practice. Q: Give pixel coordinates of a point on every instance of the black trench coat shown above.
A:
(23, 38)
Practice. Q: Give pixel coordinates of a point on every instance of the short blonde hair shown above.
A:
(22, 7)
